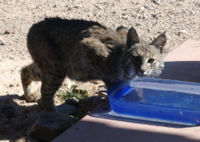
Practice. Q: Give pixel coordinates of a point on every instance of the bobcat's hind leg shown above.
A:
(28, 74)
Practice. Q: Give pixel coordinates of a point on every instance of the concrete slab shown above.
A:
(91, 129)
(181, 64)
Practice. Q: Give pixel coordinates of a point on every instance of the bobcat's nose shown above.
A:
(141, 72)
(143, 69)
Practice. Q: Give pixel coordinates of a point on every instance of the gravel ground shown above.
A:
(180, 18)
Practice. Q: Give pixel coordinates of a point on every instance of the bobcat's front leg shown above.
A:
(50, 84)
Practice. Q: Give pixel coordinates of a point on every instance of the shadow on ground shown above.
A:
(25, 122)
(16, 120)
(182, 70)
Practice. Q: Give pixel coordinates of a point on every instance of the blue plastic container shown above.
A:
(157, 100)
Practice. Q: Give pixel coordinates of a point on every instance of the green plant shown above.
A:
(73, 92)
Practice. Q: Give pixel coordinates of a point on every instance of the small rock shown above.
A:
(7, 32)
(172, 1)
(125, 17)
(155, 16)
(156, 1)
(142, 8)
(69, 8)
(12, 49)
(99, 7)
(86, 10)
(198, 4)
(12, 58)
(78, 6)
(181, 32)
(11, 85)
(2, 42)
(143, 16)
(138, 24)
(113, 12)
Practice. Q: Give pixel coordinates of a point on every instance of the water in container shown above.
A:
(159, 100)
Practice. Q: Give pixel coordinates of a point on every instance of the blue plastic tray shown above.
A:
(158, 100)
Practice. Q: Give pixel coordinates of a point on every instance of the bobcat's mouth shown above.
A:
(127, 74)
(130, 73)
(152, 73)
(145, 73)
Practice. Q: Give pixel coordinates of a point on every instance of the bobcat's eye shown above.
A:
(151, 60)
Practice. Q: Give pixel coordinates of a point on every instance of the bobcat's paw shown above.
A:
(31, 96)
(32, 92)
(46, 106)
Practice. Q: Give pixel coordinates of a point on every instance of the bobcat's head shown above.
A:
(141, 58)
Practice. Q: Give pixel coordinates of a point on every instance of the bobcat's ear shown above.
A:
(132, 37)
(121, 28)
(160, 41)
(122, 31)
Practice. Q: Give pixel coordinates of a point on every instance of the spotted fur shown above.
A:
(84, 51)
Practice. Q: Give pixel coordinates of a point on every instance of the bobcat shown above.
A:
(86, 50)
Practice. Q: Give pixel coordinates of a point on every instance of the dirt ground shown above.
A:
(180, 18)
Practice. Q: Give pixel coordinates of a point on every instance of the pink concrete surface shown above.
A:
(183, 63)
(91, 129)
